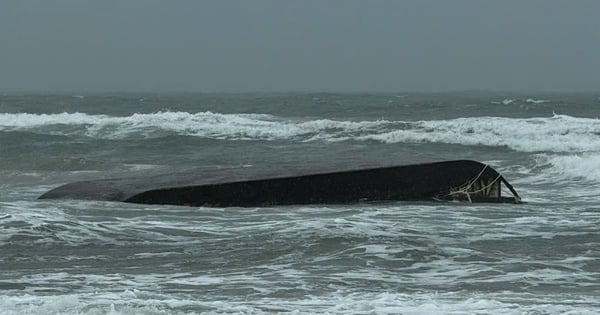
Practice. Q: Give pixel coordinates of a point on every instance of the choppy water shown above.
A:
(82, 257)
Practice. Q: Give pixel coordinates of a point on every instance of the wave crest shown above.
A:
(559, 133)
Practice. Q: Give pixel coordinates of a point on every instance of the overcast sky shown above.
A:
(345, 46)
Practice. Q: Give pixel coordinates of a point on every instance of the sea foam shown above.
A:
(585, 166)
(559, 133)
(128, 302)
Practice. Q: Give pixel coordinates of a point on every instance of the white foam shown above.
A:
(141, 167)
(339, 302)
(506, 101)
(204, 124)
(17, 121)
(576, 167)
(562, 178)
(559, 133)
(198, 280)
(534, 101)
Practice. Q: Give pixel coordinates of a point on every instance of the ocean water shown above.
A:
(90, 257)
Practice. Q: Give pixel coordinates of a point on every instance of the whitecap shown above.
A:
(559, 133)
(337, 302)
(584, 166)
(506, 101)
(534, 101)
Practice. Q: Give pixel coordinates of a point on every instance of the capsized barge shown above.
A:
(462, 180)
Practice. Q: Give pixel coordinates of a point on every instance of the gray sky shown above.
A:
(346, 46)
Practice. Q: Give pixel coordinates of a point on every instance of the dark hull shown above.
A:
(432, 181)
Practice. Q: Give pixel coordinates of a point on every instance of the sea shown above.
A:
(387, 257)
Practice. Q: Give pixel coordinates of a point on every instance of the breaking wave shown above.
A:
(559, 133)
(139, 302)
(203, 124)
(576, 167)
(534, 101)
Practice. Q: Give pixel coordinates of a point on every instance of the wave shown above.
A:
(534, 101)
(560, 178)
(574, 167)
(506, 101)
(203, 124)
(135, 301)
(559, 133)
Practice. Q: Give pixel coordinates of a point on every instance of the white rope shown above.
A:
(477, 177)
(487, 186)
(465, 191)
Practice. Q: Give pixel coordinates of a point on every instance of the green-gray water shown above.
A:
(85, 257)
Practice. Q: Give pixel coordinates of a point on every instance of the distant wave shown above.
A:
(203, 124)
(534, 101)
(507, 101)
(559, 133)
(144, 301)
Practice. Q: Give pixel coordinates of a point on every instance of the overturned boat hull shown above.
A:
(449, 180)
